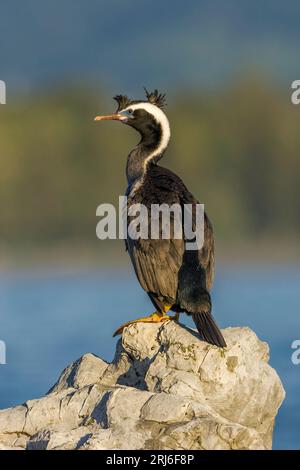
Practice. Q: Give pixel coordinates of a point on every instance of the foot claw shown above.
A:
(119, 331)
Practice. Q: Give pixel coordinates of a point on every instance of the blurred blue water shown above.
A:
(48, 319)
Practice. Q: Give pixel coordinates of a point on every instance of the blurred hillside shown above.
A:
(237, 150)
(235, 139)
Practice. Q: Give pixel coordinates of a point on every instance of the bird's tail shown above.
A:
(208, 328)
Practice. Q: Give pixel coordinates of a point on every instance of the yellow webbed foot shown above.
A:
(156, 317)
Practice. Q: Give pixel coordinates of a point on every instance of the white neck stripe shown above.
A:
(161, 119)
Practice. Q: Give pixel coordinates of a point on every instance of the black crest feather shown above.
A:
(156, 98)
(123, 101)
(159, 99)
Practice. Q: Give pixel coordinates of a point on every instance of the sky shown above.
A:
(126, 44)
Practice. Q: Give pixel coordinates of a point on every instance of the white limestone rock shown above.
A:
(87, 370)
(165, 389)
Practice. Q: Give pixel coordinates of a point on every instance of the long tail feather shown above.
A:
(208, 328)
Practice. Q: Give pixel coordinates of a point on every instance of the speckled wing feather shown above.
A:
(157, 262)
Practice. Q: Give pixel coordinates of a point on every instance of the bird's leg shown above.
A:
(176, 317)
(156, 317)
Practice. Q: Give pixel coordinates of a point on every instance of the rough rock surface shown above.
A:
(165, 389)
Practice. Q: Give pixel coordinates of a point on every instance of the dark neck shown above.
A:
(144, 153)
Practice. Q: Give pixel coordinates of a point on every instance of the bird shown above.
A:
(175, 279)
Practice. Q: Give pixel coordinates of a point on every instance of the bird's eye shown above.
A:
(130, 111)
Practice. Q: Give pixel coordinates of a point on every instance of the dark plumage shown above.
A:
(172, 276)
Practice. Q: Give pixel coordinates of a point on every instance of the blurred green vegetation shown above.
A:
(237, 150)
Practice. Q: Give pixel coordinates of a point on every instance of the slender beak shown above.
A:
(110, 117)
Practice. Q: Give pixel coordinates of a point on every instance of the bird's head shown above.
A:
(146, 116)
(149, 119)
